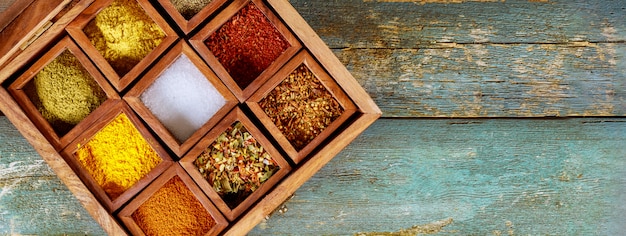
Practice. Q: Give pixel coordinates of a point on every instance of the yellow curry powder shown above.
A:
(124, 34)
(117, 156)
(64, 92)
(173, 210)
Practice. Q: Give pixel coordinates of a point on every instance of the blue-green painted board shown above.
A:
(556, 176)
(33, 200)
(535, 177)
(494, 80)
(480, 59)
(411, 24)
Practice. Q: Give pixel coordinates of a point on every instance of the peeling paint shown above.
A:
(430, 228)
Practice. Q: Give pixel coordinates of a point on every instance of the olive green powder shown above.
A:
(189, 8)
(64, 92)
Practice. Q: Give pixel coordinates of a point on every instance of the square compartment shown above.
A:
(122, 37)
(245, 45)
(63, 93)
(189, 14)
(227, 198)
(90, 156)
(153, 209)
(301, 106)
(181, 113)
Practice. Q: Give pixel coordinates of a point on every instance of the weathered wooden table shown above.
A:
(500, 117)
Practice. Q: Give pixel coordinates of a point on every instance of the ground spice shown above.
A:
(117, 156)
(124, 34)
(173, 210)
(235, 164)
(64, 92)
(301, 107)
(189, 8)
(247, 44)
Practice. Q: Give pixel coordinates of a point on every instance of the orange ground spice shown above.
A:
(173, 210)
(117, 156)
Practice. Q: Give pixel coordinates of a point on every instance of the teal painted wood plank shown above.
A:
(33, 201)
(555, 176)
(491, 177)
(410, 24)
(452, 79)
(494, 80)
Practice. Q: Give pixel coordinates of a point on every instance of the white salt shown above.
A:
(182, 98)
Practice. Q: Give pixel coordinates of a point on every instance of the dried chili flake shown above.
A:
(235, 164)
(247, 44)
(301, 107)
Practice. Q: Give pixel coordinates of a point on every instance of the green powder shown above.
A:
(124, 34)
(64, 92)
(189, 8)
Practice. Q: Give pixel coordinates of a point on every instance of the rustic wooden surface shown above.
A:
(419, 59)
(555, 176)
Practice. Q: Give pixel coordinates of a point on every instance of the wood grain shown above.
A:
(26, 24)
(531, 59)
(494, 80)
(409, 24)
(466, 176)
(24, 176)
(10, 9)
(554, 176)
(56, 162)
(21, 59)
(529, 177)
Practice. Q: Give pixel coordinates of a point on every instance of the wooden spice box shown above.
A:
(297, 46)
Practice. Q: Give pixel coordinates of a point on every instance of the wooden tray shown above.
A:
(360, 110)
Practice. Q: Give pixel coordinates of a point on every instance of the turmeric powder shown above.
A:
(123, 34)
(117, 156)
(173, 210)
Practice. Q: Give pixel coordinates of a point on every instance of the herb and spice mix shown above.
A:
(235, 164)
(301, 107)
